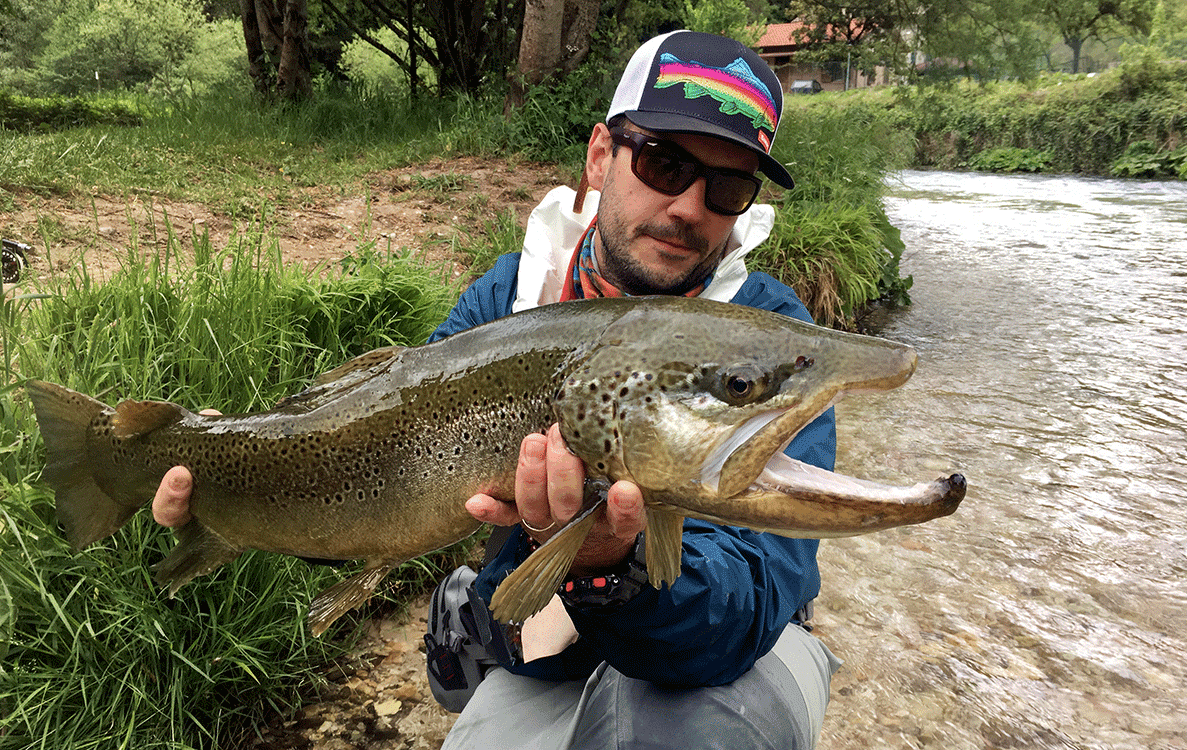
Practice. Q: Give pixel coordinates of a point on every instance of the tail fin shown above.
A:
(86, 511)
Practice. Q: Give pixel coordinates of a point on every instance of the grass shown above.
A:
(91, 653)
(229, 148)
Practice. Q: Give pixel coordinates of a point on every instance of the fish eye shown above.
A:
(742, 383)
(738, 386)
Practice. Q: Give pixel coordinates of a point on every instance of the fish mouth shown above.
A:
(793, 498)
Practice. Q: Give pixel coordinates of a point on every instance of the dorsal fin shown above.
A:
(134, 418)
(327, 386)
(362, 362)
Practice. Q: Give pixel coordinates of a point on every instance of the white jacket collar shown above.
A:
(553, 232)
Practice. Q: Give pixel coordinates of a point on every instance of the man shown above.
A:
(720, 658)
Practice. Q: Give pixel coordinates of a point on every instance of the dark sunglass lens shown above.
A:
(730, 194)
(664, 169)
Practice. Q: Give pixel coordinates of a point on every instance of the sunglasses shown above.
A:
(669, 169)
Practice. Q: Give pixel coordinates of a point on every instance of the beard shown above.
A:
(628, 274)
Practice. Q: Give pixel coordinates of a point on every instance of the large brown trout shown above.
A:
(692, 400)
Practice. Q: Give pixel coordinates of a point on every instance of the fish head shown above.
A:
(694, 399)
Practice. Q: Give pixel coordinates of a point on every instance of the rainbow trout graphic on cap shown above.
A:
(735, 87)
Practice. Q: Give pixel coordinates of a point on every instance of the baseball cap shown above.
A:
(692, 82)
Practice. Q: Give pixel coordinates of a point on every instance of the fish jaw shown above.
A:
(795, 499)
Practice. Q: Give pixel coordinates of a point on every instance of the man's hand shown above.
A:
(549, 488)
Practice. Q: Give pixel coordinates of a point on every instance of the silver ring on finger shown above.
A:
(530, 527)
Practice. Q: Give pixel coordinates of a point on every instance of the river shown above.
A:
(1050, 317)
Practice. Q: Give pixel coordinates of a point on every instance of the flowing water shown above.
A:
(1050, 317)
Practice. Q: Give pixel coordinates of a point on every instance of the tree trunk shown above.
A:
(277, 47)
(555, 41)
(259, 24)
(1076, 43)
(293, 77)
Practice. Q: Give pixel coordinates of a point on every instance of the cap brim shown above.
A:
(670, 122)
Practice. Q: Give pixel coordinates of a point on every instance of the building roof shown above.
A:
(793, 34)
(783, 34)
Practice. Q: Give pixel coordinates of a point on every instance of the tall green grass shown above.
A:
(832, 241)
(91, 653)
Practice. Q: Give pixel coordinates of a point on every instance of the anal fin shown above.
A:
(530, 586)
(199, 551)
(345, 595)
(664, 545)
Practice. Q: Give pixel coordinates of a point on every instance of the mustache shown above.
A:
(677, 233)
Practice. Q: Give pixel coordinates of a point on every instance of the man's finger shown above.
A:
(171, 504)
(489, 510)
(624, 510)
(566, 477)
(531, 482)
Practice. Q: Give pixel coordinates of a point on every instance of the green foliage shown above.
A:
(730, 18)
(1010, 159)
(1067, 123)
(556, 120)
(363, 64)
(217, 60)
(24, 113)
(1145, 159)
(91, 653)
(117, 43)
(1168, 29)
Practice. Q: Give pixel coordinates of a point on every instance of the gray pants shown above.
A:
(778, 704)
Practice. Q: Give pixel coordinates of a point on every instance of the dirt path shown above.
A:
(378, 697)
(421, 207)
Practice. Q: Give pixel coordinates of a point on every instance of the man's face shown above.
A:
(651, 243)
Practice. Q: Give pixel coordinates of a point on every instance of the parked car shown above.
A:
(811, 86)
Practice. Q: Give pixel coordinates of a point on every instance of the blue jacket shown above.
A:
(737, 589)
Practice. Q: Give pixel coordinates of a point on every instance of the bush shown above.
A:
(118, 43)
(1010, 159)
(832, 240)
(1060, 123)
(1145, 159)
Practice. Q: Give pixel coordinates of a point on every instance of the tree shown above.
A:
(869, 34)
(1168, 28)
(985, 39)
(115, 44)
(976, 38)
(277, 36)
(1080, 20)
(555, 40)
(730, 18)
(465, 41)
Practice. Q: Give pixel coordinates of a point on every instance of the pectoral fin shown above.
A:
(345, 595)
(529, 587)
(665, 532)
(199, 551)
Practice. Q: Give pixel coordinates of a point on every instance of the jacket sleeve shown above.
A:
(487, 299)
(737, 590)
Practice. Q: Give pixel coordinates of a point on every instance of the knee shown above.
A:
(763, 708)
